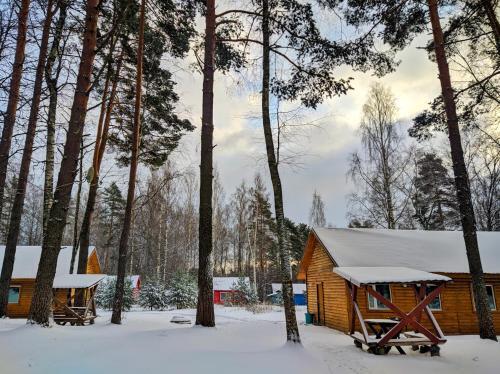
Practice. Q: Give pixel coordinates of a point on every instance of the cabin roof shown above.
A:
(360, 275)
(298, 288)
(77, 280)
(433, 251)
(227, 283)
(27, 258)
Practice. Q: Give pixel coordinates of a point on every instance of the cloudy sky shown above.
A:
(240, 151)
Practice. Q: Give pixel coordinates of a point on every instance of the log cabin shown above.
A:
(439, 252)
(24, 274)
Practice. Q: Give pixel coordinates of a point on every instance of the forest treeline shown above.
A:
(89, 82)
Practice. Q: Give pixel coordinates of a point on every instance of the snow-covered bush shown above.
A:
(106, 292)
(153, 296)
(244, 294)
(278, 298)
(182, 291)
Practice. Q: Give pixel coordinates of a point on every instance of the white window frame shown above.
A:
(223, 299)
(19, 299)
(438, 296)
(492, 293)
(377, 307)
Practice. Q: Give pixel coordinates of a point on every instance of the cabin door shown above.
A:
(321, 304)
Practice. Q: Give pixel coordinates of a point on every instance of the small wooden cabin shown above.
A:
(224, 289)
(441, 252)
(24, 274)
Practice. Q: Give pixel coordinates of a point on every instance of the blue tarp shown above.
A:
(299, 299)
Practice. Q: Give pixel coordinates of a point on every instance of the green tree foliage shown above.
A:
(434, 199)
(182, 291)
(296, 235)
(474, 53)
(110, 220)
(244, 293)
(168, 33)
(153, 295)
(106, 292)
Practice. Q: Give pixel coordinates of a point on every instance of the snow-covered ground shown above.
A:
(242, 342)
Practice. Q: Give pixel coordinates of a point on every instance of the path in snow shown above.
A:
(241, 343)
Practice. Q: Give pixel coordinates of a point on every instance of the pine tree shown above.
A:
(110, 220)
(244, 294)
(182, 291)
(41, 301)
(106, 292)
(17, 207)
(153, 295)
(434, 199)
(9, 119)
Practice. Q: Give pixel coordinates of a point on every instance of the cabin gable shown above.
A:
(333, 302)
(93, 266)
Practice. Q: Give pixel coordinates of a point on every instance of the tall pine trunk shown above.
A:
(77, 210)
(205, 307)
(116, 317)
(493, 21)
(51, 82)
(486, 327)
(15, 84)
(101, 139)
(292, 330)
(17, 207)
(41, 301)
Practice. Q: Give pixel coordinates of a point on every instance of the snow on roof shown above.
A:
(298, 288)
(134, 279)
(77, 280)
(385, 274)
(438, 251)
(227, 283)
(27, 258)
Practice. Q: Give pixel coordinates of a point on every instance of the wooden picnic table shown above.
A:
(380, 327)
(391, 332)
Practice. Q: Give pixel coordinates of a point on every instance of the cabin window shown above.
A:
(491, 297)
(14, 293)
(436, 303)
(225, 296)
(385, 291)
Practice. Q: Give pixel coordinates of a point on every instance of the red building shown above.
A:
(224, 289)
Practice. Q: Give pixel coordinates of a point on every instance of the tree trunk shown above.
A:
(17, 207)
(391, 222)
(42, 296)
(205, 308)
(15, 83)
(116, 317)
(100, 146)
(486, 327)
(51, 82)
(77, 211)
(493, 20)
(292, 330)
